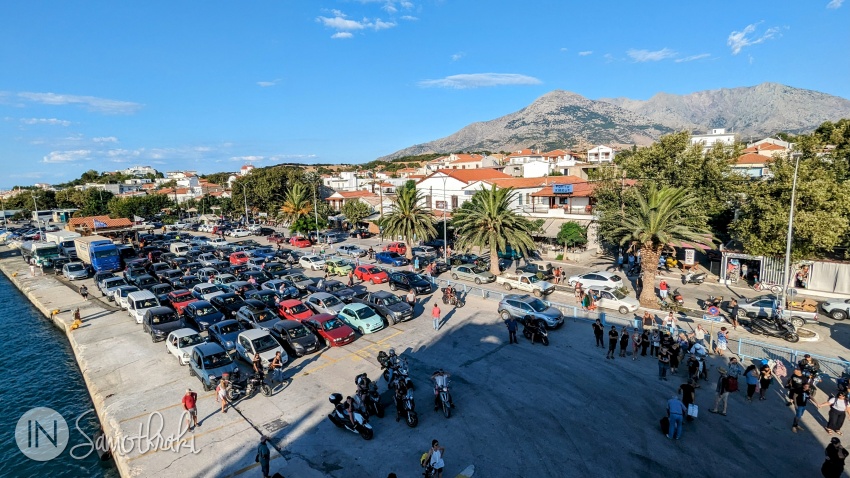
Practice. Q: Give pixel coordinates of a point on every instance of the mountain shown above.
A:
(561, 118)
(752, 112)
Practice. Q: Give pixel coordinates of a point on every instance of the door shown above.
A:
(454, 202)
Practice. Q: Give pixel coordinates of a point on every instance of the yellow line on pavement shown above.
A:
(363, 353)
(188, 436)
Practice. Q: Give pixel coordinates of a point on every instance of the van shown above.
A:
(179, 248)
(139, 302)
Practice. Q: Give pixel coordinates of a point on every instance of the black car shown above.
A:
(406, 280)
(255, 315)
(160, 321)
(274, 270)
(439, 265)
(131, 273)
(201, 314)
(341, 291)
(227, 304)
(266, 296)
(295, 337)
(458, 259)
(362, 233)
(178, 262)
(259, 276)
(265, 231)
(145, 281)
(161, 292)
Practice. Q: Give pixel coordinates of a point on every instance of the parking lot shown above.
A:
(522, 410)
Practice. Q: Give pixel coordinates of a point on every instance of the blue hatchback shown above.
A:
(392, 258)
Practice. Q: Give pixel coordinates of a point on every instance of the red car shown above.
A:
(294, 310)
(276, 238)
(180, 299)
(300, 242)
(332, 330)
(238, 258)
(397, 247)
(369, 273)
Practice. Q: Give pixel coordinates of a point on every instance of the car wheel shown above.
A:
(508, 286)
(360, 331)
(797, 322)
(454, 276)
(206, 386)
(623, 310)
(191, 372)
(153, 338)
(838, 314)
(392, 286)
(505, 315)
(478, 280)
(537, 293)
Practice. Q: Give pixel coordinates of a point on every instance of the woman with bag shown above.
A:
(765, 379)
(837, 412)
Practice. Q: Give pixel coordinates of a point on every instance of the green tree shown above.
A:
(572, 234)
(142, 206)
(297, 203)
(487, 221)
(355, 211)
(408, 219)
(306, 224)
(655, 221)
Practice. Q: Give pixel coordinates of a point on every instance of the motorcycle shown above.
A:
(443, 398)
(774, 327)
(677, 296)
(535, 331)
(248, 387)
(339, 417)
(396, 369)
(693, 278)
(712, 301)
(455, 300)
(409, 411)
(368, 397)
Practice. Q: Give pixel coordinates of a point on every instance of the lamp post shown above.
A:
(445, 235)
(786, 272)
(316, 210)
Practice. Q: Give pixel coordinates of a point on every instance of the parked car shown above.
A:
(111, 285)
(159, 321)
(397, 247)
(139, 302)
(324, 303)
(284, 288)
(300, 281)
(225, 332)
(274, 270)
(201, 315)
(181, 342)
(424, 252)
(227, 304)
(258, 276)
(361, 233)
(763, 306)
(206, 291)
(293, 310)
(120, 295)
(296, 337)
(340, 290)
(333, 331)
(406, 280)
(370, 273)
(472, 273)
(161, 292)
(361, 318)
(255, 315)
(238, 258)
(240, 233)
(259, 341)
(300, 242)
(209, 362)
(392, 258)
(543, 270)
(522, 306)
(836, 308)
(464, 258)
(75, 271)
(266, 296)
(525, 282)
(312, 262)
(180, 299)
(389, 306)
(598, 278)
(351, 250)
(340, 267)
(615, 299)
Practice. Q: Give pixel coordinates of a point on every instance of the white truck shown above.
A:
(38, 253)
(525, 281)
(65, 241)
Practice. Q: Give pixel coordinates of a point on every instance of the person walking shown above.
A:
(221, 391)
(688, 390)
(613, 337)
(511, 323)
(435, 458)
(733, 313)
(655, 341)
(276, 367)
(578, 291)
(190, 400)
(662, 290)
(663, 363)
(263, 456)
(624, 341)
(837, 412)
(721, 393)
(644, 342)
(800, 398)
(674, 358)
(676, 410)
(32, 269)
(351, 278)
(765, 379)
(598, 331)
(636, 343)
(435, 314)
(722, 341)
(84, 291)
(833, 466)
(751, 375)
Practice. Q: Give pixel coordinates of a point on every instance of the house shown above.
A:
(246, 169)
(717, 135)
(140, 171)
(601, 154)
(768, 149)
(753, 165)
(446, 189)
(345, 181)
(97, 224)
(339, 198)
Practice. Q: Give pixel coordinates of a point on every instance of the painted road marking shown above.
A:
(188, 436)
(363, 353)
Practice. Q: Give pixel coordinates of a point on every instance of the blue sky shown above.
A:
(212, 85)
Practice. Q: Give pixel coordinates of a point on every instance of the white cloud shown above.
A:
(339, 22)
(382, 25)
(565, 49)
(641, 56)
(344, 26)
(248, 159)
(105, 139)
(693, 57)
(585, 53)
(342, 35)
(49, 121)
(479, 80)
(834, 4)
(457, 56)
(409, 18)
(101, 105)
(266, 84)
(743, 38)
(608, 57)
(67, 156)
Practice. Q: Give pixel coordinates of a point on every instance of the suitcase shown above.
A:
(665, 425)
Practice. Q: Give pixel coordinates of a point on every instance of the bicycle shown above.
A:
(764, 286)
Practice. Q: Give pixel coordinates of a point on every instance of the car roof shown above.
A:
(356, 306)
(290, 302)
(251, 334)
(521, 297)
(322, 317)
(288, 324)
(160, 310)
(141, 294)
(605, 274)
(209, 348)
(381, 293)
(184, 332)
(200, 303)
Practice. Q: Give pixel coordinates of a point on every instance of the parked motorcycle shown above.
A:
(774, 327)
(534, 331)
(248, 387)
(443, 397)
(409, 411)
(396, 369)
(693, 278)
(339, 417)
(368, 397)
(677, 296)
(712, 301)
(455, 299)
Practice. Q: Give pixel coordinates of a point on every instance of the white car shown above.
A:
(597, 279)
(240, 233)
(218, 242)
(312, 262)
(181, 342)
(120, 295)
(206, 291)
(259, 341)
(615, 299)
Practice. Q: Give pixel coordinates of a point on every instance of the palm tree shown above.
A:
(408, 219)
(654, 222)
(297, 203)
(487, 220)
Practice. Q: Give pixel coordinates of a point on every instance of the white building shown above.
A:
(447, 189)
(345, 181)
(246, 169)
(140, 171)
(601, 154)
(717, 135)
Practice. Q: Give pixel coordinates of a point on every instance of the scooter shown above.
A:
(677, 296)
(712, 302)
(693, 278)
(533, 331)
(396, 369)
(410, 416)
(368, 397)
(339, 417)
(774, 327)
(455, 299)
(248, 388)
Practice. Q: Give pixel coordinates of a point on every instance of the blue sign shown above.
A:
(562, 188)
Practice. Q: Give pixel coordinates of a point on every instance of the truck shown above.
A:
(527, 282)
(99, 252)
(41, 254)
(765, 306)
(65, 241)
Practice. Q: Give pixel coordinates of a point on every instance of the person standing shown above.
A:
(351, 278)
(221, 392)
(644, 342)
(435, 314)
(435, 458)
(800, 398)
(663, 363)
(676, 410)
(411, 298)
(190, 400)
(688, 391)
(276, 367)
(733, 313)
(32, 269)
(699, 335)
(578, 290)
(765, 379)
(613, 337)
(624, 341)
(648, 320)
(833, 467)
(655, 341)
(674, 358)
(721, 393)
(751, 375)
(662, 290)
(721, 344)
(837, 412)
(636, 343)
(264, 456)
(598, 330)
(512, 326)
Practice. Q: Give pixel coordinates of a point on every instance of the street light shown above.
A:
(445, 235)
(316, 209)
(786, 272)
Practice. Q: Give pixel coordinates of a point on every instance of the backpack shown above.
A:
(732, 384)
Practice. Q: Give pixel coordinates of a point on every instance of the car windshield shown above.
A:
(416, 277)
(229, 328)
(75, 267)
(538, 305)
(164, 318)
(618, 294)
(146, 304)
(298, 278)
(615, 279)
(161, 288)
(106, 254)
(191, 340)
(533, 279)
(331, 301)
(332, 324)
(206, 310)
(232, 299)
(392, 299)
(126, 291)
(365, 313)
(479, 270)
(227, 279)
(298, 332)
(334, 287)
(264, 343)
(274, 267)
(263, 317)
(217, 360)
(298, 309)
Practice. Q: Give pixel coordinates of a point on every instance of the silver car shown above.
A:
(75, 271)
(324, 303)
(471, 273)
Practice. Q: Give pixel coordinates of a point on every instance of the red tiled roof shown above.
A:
(467, 158)
(579, 190)
(89, 221)
(764, 147)
(753, 158)
(149, 186)
(469, 175)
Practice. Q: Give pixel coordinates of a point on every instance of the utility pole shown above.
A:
(789, 237)
(316, 209)
(245, 199)
(445, 234)
(37, 218)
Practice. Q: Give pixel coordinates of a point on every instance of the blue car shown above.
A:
(225, 333)
(392, 258)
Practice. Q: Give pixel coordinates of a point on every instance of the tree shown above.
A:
(655, 221)
(297, 203)
(408, 219)
(305, 224)
(355, 211)
(142, 206)
(487, 221)
(572, 234)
